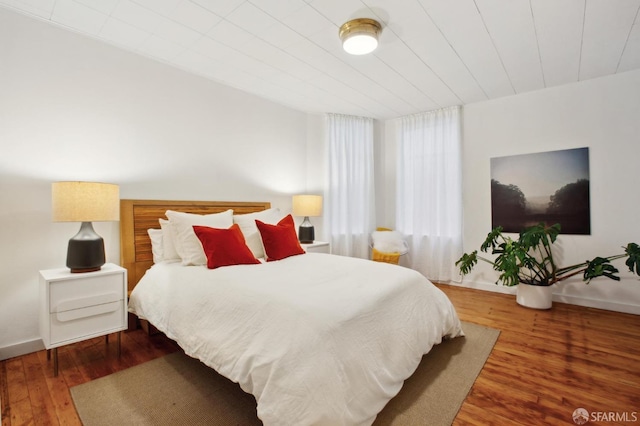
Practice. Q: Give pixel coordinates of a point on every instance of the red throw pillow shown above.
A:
(279, 240)
(224, 247)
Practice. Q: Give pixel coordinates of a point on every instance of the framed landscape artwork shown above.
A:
(550, 187)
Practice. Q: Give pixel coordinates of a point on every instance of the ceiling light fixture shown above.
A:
(360, 36)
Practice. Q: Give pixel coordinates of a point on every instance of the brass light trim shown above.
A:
(364, 29)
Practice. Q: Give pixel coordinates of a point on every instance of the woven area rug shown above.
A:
(176, 389)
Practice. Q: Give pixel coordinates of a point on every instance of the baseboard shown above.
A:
(560, 298)
(485, 286)
(21, 349)
(597, 303)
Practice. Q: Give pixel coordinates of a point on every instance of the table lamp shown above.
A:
(85, 202)
(307, 205)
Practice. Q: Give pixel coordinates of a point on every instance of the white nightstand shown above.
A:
(80, 306)
(317, 247)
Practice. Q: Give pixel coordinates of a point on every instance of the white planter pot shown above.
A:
(534, 296)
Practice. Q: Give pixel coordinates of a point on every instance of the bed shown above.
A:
(317, 339)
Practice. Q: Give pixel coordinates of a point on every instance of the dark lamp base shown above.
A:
(85, 252)
(306, 234)
(80, 271)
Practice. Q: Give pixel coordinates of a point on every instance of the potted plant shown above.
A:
(529, 261)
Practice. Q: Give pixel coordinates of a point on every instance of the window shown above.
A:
(429, 191)
(349, 205)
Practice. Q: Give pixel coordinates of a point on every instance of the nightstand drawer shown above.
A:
(86, 322)
(84, 292)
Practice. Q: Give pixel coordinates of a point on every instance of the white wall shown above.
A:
(316, 166)
(601, 114)
(72, 108)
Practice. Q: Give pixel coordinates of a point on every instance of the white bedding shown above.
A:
(318, 339)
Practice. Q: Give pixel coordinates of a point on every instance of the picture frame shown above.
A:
(549, 187)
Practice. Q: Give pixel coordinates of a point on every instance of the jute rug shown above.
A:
(178, 390)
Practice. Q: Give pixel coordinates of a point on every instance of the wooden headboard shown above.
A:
(136, 216)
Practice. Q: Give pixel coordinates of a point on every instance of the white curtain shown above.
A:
(349, 200)
(429, 191)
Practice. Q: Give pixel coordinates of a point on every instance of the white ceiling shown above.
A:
(432, 53)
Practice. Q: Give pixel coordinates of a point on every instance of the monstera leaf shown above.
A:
(539, 234)
(600, 267)
(633, 262)
(492, 239)
(467, 262)
(508, 263)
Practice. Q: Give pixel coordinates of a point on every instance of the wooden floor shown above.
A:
(544, 366)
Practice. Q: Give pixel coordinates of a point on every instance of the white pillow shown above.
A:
(169, 253)
(388, 241)
(156, 244)
(187, 243)
(247, 224)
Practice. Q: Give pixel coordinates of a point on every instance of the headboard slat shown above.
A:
(137, 216)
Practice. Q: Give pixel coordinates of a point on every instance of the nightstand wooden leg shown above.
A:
(106, 339)
(55, 362)
(48, 354)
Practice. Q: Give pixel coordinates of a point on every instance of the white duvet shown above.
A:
(317, 339)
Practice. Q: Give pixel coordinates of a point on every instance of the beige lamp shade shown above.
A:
(85, 202)
(307, 205)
